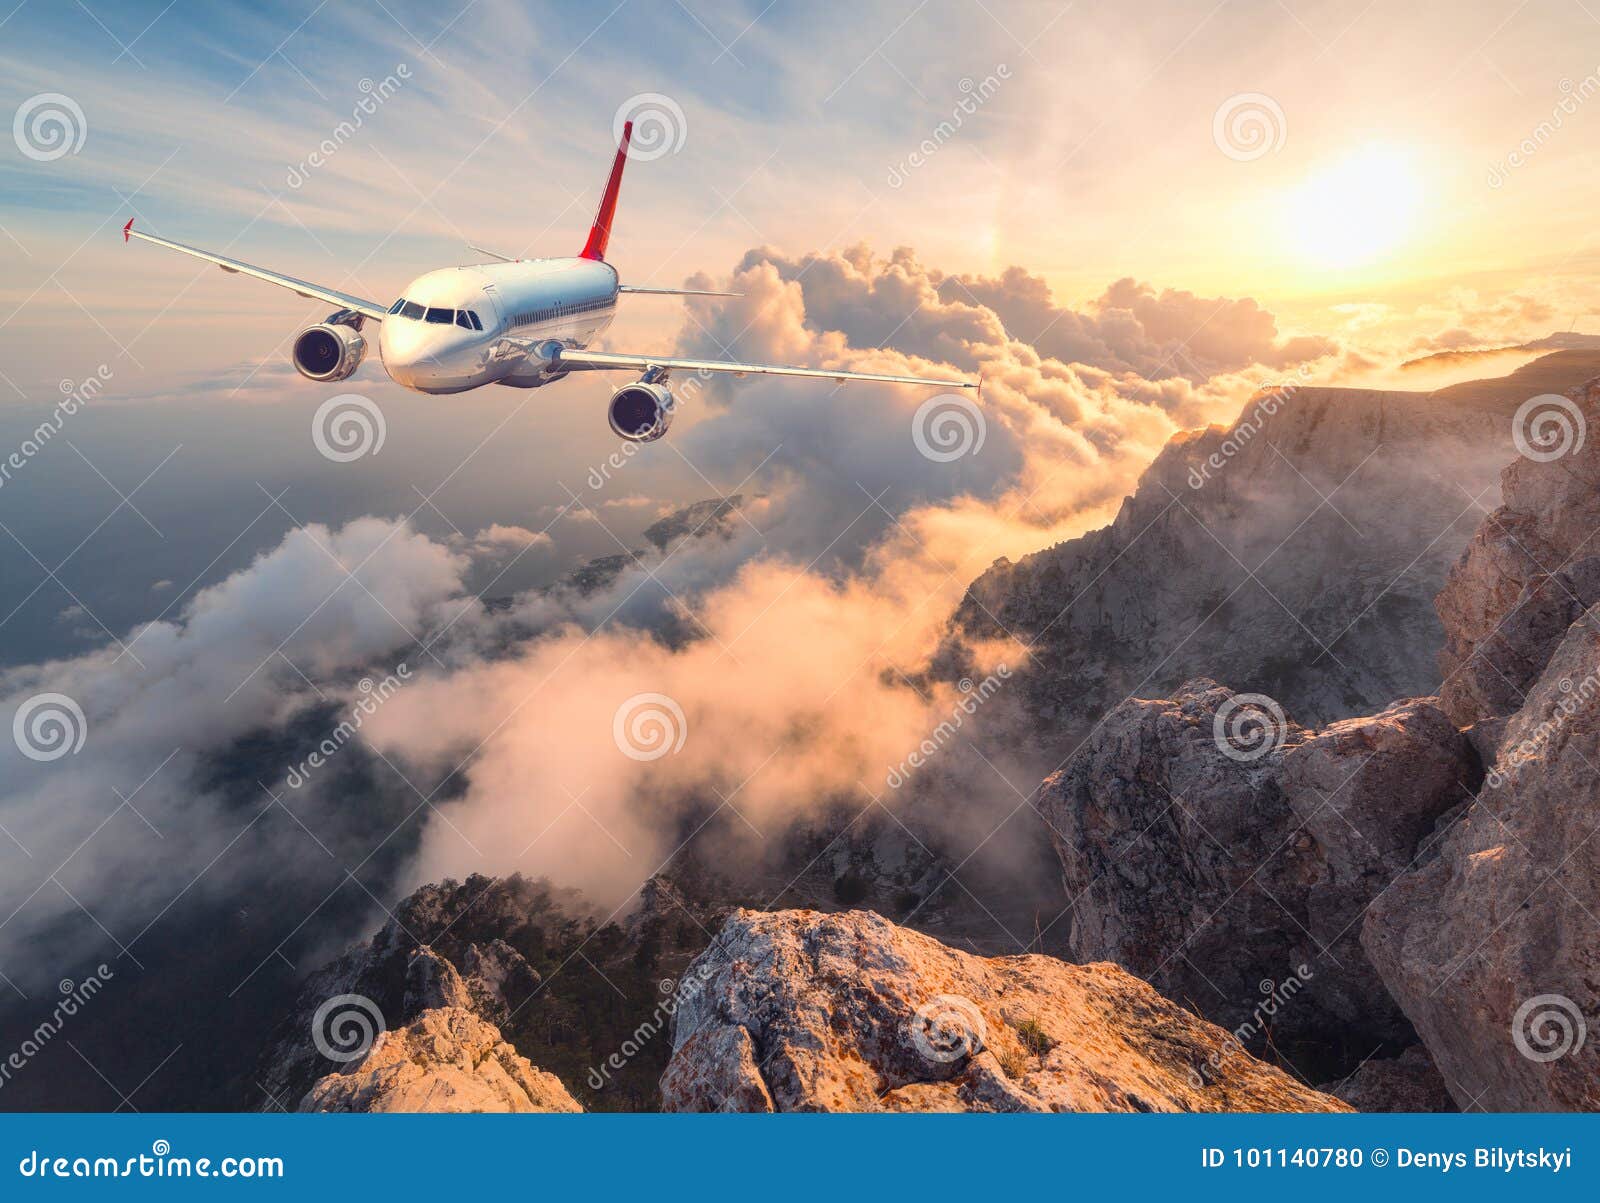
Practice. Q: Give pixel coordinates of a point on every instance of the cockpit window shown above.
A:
(462, 320)
(441, 317)
(411, 310)
(397, 306)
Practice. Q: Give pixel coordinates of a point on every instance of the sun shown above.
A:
(1355, 211)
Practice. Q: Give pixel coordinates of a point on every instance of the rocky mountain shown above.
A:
(507, 969)
(1388, 889)
(1429, 870)
(1491, 942)
(447, 1058)
(1216, 848)
(799, 1011)
(1299, 549)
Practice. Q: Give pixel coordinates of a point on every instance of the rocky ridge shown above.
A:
(801, 1011)
(446, 1059)
(1299, 549)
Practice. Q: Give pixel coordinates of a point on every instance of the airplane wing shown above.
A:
(675, 292)
(313, 292)
(579, 361)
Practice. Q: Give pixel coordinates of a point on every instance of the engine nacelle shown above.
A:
(329, 351)
(640, 412)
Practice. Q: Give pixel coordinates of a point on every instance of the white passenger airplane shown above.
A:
(520, 322)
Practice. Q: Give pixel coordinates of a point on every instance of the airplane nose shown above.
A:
(427, 358)
(405, 351)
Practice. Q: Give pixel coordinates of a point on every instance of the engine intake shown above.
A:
(329, 351)
(640, 412)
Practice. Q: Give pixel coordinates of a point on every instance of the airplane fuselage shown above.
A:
(521, 322)
(462, 327)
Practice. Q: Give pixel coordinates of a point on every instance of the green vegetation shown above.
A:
(1034, 1038)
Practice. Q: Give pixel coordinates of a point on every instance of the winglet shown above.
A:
(600, 232)
(126, 228)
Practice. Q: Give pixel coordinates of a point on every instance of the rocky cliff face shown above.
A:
(1489, 942)
(1298, 553)
(800, 1011)
(539, 970)
(1432, 864)
(446, 1059)
(1216, 848)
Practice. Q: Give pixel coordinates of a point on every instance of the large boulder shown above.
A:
(446, 1060)
(1227, 855)
(1492, 945)
(1409, 1083)
(801, 1011)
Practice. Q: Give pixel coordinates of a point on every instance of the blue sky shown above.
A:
(1093, 159)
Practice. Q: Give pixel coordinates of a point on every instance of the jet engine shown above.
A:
(330, 351)
(640, 412)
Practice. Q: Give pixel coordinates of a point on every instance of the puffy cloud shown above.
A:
(499, 541)
(1129, 328)
(125, 825)
(791, 639)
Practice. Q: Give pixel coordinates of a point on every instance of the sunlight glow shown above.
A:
(1356, 210)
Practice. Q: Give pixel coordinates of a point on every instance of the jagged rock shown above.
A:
(1298, 551)
(1489, 941)
(500, 974)
(1529, 571)
(1409, 1082)
(479, 946)
(1492, 946)
(1231, 865)
(446, 1060)
(710, 517)
(802, 1011)
(462, 962)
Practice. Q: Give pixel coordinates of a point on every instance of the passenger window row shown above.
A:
(467, 319)
(560, 310)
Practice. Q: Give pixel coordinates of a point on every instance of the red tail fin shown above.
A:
(600, 232)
